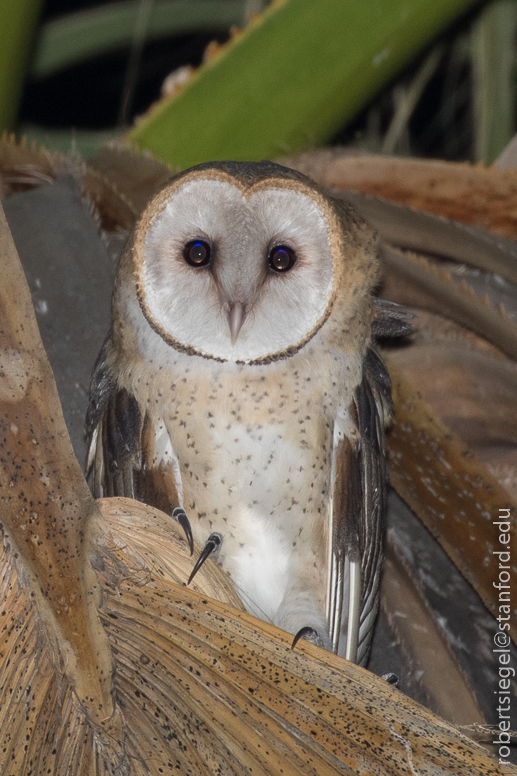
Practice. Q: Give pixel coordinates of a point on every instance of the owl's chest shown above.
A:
(257, 441)
(253, 452)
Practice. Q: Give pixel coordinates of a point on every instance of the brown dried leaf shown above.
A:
(413, 281)
(23, 167)
(138, 532)
(474, 393)
(134, 174)
(45, 504)
(428, 233)
(202, 687)
(452, 493)
(473, 194)
(446, 687)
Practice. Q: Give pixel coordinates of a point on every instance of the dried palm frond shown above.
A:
(251, 702)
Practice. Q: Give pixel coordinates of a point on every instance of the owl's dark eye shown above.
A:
(281, 258)
(197, 253)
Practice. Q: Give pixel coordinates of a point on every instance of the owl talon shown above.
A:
(307, 633)
(180, 515)
(391, 678)
(213, 543)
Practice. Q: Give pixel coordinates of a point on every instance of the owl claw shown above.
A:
(305, 633)
(391, 678)
(180, 515)
(214, 541)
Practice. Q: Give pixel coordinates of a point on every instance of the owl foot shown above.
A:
(391, 678)
(180, 515)
(307, 633)
(213, 543)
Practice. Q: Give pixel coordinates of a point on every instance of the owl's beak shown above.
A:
(236, 317)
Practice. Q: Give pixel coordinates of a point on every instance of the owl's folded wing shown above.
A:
(358, 507)
(125, 456)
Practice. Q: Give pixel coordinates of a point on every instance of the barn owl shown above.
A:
(239, 390)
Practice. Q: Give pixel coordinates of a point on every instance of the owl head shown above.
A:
(246, 262)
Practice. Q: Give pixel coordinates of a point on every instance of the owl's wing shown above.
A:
(129, 454)
(358, 507)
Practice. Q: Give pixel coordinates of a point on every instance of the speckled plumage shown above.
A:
(275, 442)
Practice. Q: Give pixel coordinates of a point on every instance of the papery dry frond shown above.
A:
(201, 687)
(146, 538)
(471, 193)
(413, 622)
(429, 233)
(453, 494)
(414, 281)
(45, 505)
(23, 167)
(138, 175)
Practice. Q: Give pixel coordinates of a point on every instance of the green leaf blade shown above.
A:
(292, 79)
(72, 38)
(17, 22)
